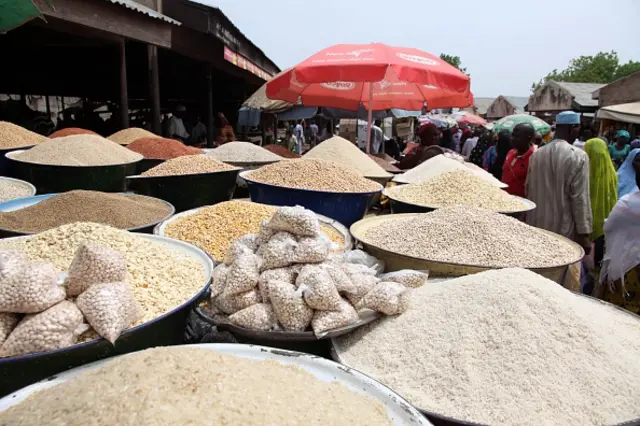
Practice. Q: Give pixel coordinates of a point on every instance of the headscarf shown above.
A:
(627, 175)
(635, 143)
(623, 134)
(478, 152)
(502, 149)
(603, 183)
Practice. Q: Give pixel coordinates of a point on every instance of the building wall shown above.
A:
(499, 108)
(624, 90)
(550, 97)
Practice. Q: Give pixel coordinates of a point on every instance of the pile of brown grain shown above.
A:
(188, 165)
(71, 131)
(117, 210)
(162, 148)
(127, 136)
(13, 136)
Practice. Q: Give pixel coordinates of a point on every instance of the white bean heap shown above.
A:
(285, 279)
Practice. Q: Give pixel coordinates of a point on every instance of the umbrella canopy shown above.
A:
(510, 121)
(464, 117)
(374, 75)
(439, 120)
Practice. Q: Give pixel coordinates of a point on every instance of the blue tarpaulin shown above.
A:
(248, 117)
(298, 113)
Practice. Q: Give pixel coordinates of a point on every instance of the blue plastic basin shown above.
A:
(345, 207)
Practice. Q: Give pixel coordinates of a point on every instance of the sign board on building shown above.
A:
(242, 62)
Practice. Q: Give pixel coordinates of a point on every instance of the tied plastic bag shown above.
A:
(109, 308)
(290, 308)
(296, 220)
(232, 303)
(340, 278)
(218, 280)
(318, 289)
(278, 252)
(265, 233)
(55, 328)
(359, 257)
(354, 269)
(95, 264)
(28, 288)
(387, 297)
(252, 241)
(312, 249)
(242, 274)
(260, 316)
(235, 250)
(407, 277)
(8, 322)
(328, 320)
(287, 275)
(363, 284)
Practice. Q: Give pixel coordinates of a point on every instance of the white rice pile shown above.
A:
(341, 151)
(243, 152)
(441, 164)
(506, 347)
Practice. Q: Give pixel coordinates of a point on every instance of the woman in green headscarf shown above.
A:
(603, 187)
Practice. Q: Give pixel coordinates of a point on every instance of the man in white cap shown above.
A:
(177, 130)
(558, 182)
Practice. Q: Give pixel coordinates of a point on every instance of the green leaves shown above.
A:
(454, 61)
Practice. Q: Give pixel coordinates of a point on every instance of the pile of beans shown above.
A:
(459, 187)
(79, 150)
(341, 151)
(318, 175)
(127, 136)
(214, 228)
(117, 210)
(161, 148)
(281, 151)
(69, 131)
(188, 165)
(13, 136)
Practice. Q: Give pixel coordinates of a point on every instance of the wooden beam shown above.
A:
(209, 111)
(154, 89)
(124, 94)
(111, 18)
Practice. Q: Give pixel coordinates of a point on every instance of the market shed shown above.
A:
(554, 96)
(506, 105)
(480, 106)
(622, 91)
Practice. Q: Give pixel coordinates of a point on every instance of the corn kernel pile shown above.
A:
(214, 228)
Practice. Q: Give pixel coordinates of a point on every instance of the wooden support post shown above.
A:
(209, 112)
(154, 89)
(124, 94)
(48, 104)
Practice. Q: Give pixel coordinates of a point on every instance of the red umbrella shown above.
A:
(375, 75)
(470, 119)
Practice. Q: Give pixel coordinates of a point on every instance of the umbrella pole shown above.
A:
(370, 118)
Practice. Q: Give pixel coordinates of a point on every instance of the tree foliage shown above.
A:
(455, 61)
(603, 67)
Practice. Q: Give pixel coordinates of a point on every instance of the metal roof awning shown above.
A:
(627, 113)
(130, 4)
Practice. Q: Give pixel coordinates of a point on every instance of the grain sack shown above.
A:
(27, 287)
(232, 303)
(296, 220)
(387, 297)
(318, 289)
(260, 316)
(94, 264)
(109, 308)
(290, 308)
(243, 274)
(328, 320)
(278, 252)
(312, 249)
(287, 275)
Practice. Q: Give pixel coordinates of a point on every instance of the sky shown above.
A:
(505, 45)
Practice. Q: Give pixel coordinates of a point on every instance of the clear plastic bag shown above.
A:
(340, 278)
(243, 274)
(387, 297)
(296, 220)
(407, 277)
(8, 322)
(94, 264)
(328, 320)
(287, 275)
(232, 303)
(265, 233)
(260, 316)
(109, 308)
(312, 249)
(218, 280)
(55, 328)
(29, 288)
(252, 241)
(278, 252)
(355, 269)
(235, 250)
(359, 257)
(363, 284)
(290, 308)
(318, 289)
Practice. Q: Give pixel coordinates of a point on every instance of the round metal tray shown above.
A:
(21, 203)
(346, 235)
(167, 329)
(398, 409)
(442, 420)
(32, 189)
(396, 261)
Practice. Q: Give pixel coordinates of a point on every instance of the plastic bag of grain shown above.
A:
(55, 328)
(242, 274)
(312, 249)
(260, 316)
(94, 264)
(287, 275)
(8, 322)
(109, 308)
(27, 287)
(232, 303)
(290, 308)
(407, 277)
(359, 257)
(363, 284)
(318, 289)
(296, 220)
(387, 297)
(324, 321)
(218, 280)
(278, 252)
(340, 278)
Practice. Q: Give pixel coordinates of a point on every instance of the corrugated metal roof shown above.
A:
(518, 101)
(582, 93)
(130, 4)
(482, 104)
